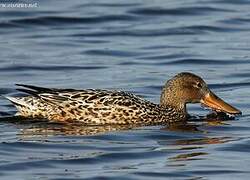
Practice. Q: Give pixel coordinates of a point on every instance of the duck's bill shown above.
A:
(217, 104)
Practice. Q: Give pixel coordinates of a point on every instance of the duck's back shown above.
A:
(88, 106)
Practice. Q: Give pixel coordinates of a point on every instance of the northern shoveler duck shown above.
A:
(96, 107)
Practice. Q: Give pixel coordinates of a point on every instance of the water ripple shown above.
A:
(141, 33)
(113, 4)
(236, 21)
(188, 30)
(170, 56)
(230, 85)
(48, 68)
(112, 53)
(205, 62)
(238, 2)
(57, 20)
(181, 11)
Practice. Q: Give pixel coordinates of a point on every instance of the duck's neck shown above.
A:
(170, 99)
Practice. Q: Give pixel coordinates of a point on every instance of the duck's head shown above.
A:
(189, 88)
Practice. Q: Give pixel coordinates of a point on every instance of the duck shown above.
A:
(102, 107)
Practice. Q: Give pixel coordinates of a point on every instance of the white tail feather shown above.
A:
(15, 100)
(19, 103)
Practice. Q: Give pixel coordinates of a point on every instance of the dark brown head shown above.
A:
(189, 88)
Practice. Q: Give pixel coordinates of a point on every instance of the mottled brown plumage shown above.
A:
(97, 107)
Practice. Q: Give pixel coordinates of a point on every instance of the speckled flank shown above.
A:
(94, 107)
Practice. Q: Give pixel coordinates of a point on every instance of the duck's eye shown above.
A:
(199, 85)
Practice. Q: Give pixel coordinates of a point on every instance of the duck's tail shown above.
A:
(26, 104)
(14, 100)
(19, 103)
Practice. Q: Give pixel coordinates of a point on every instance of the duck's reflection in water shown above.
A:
(190, 143)
(188, 146)
(194, 148)
(48, 128)
(52, 129)
(34, 127)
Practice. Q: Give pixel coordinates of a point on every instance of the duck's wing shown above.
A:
(71, 103)
(61, 97)
(47, 94)
(53, 95)
(36, 90)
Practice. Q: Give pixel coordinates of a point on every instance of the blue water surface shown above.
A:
(135, 46)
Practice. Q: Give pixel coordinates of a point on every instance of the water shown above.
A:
(133, 46)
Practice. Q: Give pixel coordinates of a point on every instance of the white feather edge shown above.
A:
(17, 101)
